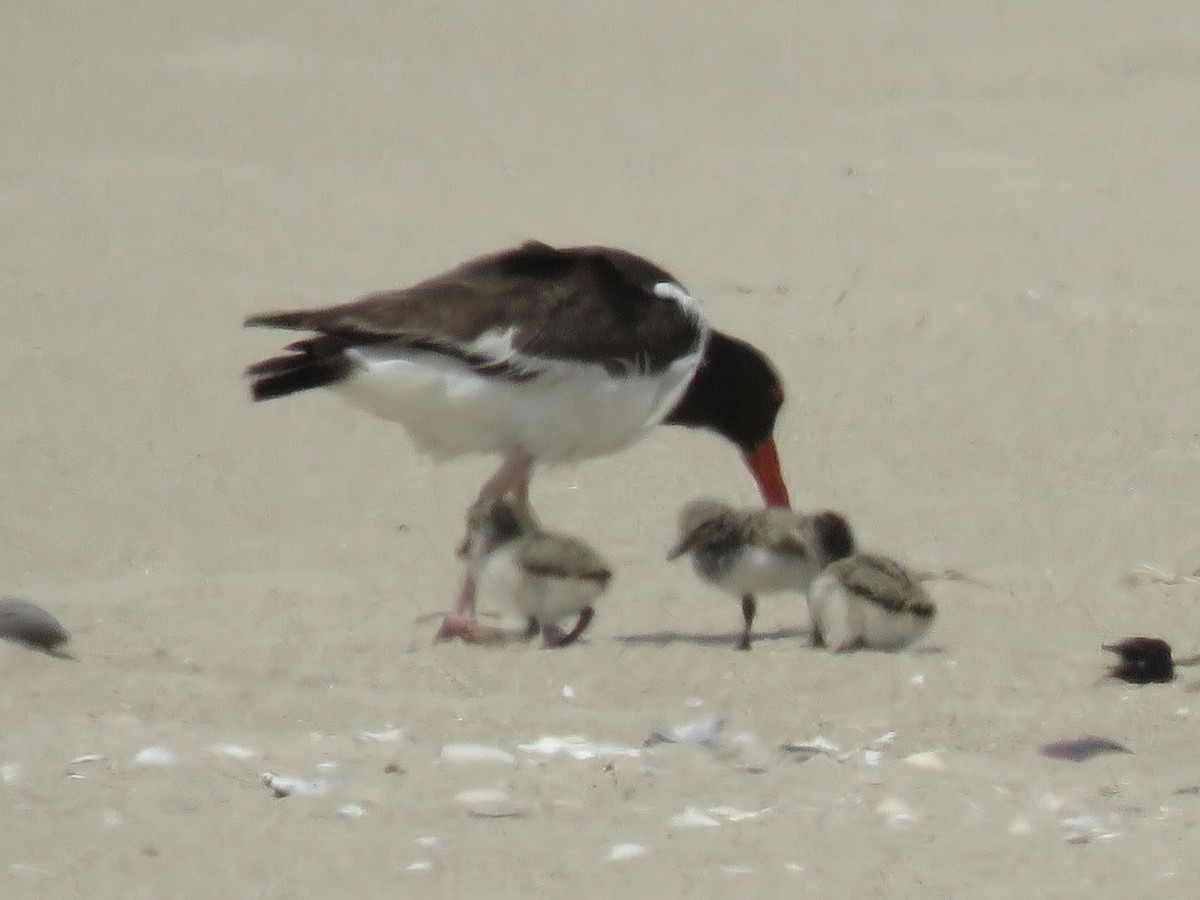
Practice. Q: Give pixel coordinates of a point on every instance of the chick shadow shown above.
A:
(726, 639)
(730, 639)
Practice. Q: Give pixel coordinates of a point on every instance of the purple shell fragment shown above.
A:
(1081, 748)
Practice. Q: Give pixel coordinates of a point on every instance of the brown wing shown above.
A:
(885, 583)
(558, 556)
(591, 303)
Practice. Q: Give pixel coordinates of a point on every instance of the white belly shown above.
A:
(568, 412)
(545, 598)
(761, 571)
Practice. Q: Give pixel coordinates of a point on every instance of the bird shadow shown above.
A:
(663, 638)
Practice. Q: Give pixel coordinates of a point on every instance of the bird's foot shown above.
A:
(556, 637)
(468, 630)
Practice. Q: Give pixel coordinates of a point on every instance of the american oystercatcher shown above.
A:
(543, 576)
(541, 355)
(748, 552)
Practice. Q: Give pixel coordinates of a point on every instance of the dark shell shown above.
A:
(1081, 748)
(1144, 660)
(29, 624)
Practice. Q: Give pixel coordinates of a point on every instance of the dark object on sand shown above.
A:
(1079, 749)
(29, 624)
(1144, 660)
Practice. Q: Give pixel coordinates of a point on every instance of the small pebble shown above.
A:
(420, 865)
(287, 785)
(872, 757)
(481, 753)
(568, 692)
(622, 852)
(10, 773)
(155, 756)
(429, 841)
(29, 624)
(351, 811)
(87, 758)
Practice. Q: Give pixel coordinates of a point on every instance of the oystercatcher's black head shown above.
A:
(737, 393)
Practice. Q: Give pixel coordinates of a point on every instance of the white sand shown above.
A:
(965, 232)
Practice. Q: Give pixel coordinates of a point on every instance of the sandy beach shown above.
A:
(966, 235)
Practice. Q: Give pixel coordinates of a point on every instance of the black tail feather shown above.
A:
(285, 375)
(313, 363)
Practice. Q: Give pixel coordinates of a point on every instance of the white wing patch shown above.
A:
(669, 290)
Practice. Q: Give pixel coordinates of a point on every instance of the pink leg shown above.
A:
(512, 477)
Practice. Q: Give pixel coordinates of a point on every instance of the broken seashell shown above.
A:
(29, 624)
(1082, 748)
(622, 852)
(475, 753)
(155, 756)
(701, 732)
(693, 818)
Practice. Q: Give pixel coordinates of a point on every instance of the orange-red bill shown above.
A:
(763, 463)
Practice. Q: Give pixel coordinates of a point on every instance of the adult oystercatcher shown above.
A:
(539, 354)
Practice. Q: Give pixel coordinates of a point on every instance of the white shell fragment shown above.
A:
(287, 785)
(480, 796)
(1085, 829)
(693, 818)
(233, 751)
(701, 732)
(817, 746)
(388, 735)
(622, 852)
(490, 803)
(733, 814)
(351, 811)
(420, 865)
(930, 760)
(155, 756)
(475, 753)
(896, 812)
(576, 746)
